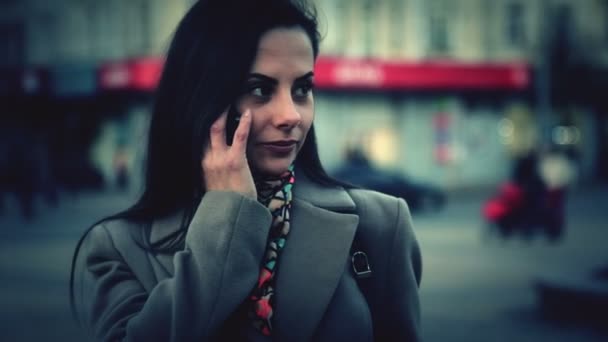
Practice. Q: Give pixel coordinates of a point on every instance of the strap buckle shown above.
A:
(361, 265)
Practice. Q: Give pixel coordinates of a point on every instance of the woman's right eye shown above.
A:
(260, 91)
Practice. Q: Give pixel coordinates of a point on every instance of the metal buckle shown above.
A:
(361, 265)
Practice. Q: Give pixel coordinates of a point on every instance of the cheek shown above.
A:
(257, 125)
(308, 116)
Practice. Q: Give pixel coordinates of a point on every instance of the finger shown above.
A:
(217, 133)
(239, 143)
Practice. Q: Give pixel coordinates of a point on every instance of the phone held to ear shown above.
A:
(232, 122)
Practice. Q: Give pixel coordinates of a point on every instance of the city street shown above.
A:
(475, 287)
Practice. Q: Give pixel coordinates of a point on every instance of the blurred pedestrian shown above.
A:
(533, 200)
(19, 173)
(246, 238)
(356, 169)
(557, 172)
(120, 165)
(527, 177)
(519, 205)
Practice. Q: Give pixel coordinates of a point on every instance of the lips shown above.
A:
(280, 146)
(281, 142)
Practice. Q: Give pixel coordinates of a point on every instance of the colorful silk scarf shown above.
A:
(276, 195)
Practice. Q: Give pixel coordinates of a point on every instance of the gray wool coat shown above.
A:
(124, 292)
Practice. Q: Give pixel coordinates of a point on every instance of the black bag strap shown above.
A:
(360, 262)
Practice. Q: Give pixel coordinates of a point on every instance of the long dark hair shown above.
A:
(209, 59)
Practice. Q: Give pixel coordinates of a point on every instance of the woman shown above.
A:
(246, 238)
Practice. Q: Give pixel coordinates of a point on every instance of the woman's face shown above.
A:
(279, 95)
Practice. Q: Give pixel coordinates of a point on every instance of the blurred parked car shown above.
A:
(419, 196)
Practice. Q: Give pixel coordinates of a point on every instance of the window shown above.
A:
(137, 26)
(439, 39)
(563, 24)
(341, 28)
(439, 34)
(397, 25)
(605, 10)
(515, 24)
(605, 20)
(369, 15)
(146, 26)
(95, 29)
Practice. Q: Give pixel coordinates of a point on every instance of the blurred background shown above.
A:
(490, 117)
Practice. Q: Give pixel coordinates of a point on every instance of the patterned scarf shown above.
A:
(276, 195)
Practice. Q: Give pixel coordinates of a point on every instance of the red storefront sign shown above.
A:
(340, 73)
(346, 73)
(137, 74)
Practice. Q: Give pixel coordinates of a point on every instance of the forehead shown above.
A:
(284, 50)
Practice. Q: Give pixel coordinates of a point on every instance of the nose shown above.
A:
(286, 115)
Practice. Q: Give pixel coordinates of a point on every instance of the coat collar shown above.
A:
(329, 198)
(164, 226)
(324, 223)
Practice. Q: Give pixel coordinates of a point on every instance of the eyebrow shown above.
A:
(255, 75)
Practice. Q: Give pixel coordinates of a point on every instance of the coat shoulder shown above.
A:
(380, 209)
(122, 241)
(117, 230)
(112, 239)
(384, 221)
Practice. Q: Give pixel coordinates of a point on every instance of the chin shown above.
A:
(272, 167)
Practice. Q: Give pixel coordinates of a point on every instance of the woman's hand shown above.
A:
(225, 168)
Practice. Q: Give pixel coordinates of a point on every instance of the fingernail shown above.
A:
(247, 112)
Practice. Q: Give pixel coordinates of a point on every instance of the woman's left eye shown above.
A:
(303, 90)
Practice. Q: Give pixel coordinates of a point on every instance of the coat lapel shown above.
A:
(313, 259)
(161, 228)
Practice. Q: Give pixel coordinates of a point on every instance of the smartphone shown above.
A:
(232, 122)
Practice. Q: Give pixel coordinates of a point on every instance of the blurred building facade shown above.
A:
(464, 132)
(55, 54)
(444, 90)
